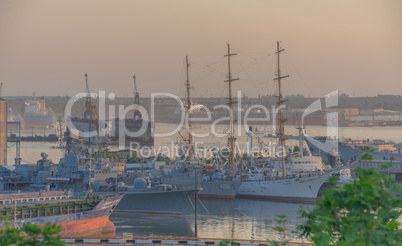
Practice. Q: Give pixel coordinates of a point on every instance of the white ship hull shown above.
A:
(303, 189)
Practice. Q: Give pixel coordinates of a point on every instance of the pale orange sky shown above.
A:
(47, 46)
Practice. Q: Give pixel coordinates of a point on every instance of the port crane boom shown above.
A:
(137, 105)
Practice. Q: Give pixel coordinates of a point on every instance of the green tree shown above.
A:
(29, 234)
(134, 158)
(367, 149)
(225, 242)
(362, 213)
(366, 155)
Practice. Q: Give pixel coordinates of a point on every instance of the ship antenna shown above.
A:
(231, 138)
(280, 104)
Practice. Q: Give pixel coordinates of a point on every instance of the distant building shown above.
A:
(351, 111)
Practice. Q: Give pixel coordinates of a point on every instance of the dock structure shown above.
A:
(42, 204)
(33, 196)
(165, 241)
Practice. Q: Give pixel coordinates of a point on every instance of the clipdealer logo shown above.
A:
(330, 145)
(242, 122)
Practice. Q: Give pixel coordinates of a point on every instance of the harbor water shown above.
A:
(230, 219)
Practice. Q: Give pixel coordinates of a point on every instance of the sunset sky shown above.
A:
(47, 46)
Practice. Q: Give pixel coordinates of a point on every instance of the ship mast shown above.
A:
(190, 145)
(190, 137)
(231, 138)
(280, 102)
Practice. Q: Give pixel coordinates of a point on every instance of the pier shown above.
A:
(164, 241)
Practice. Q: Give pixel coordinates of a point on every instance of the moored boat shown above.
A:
(157, 202)
(290, 189)
(294, 178)
(75, 215)
(213, 185)
(190, 172)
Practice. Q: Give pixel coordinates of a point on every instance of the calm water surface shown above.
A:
(230, 219)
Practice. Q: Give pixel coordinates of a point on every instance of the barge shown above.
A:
(75, 215)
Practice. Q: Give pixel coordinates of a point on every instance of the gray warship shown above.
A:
(214, 184)
(75, 171)
(79, 171)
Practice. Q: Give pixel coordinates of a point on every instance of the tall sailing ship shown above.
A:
(192, 172)
(279, 183)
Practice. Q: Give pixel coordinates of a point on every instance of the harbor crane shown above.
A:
(91, 115)
(137, 105)
(88, 103)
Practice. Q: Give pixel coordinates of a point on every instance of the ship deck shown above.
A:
(31, 207)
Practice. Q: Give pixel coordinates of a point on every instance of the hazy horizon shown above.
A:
(47, 46)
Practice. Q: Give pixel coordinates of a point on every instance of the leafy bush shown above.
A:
(29, 234)
(367, 149)
(366, 157)
(362, 213)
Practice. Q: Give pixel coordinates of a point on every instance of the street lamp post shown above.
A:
(195, 199)
(195, 204)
